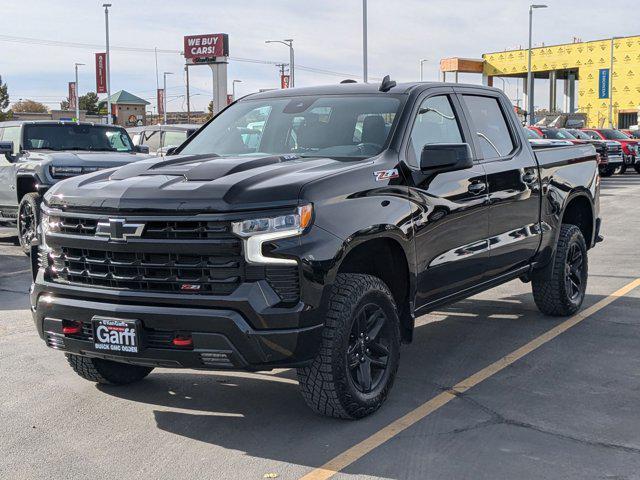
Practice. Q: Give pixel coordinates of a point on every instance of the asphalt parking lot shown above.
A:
(567, 408)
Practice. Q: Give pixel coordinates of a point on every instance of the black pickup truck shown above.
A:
(315, 245)
(37, 154)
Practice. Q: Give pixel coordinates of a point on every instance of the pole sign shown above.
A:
(101, 73)
(284, 81)
(160, 101)
(603, 83)
(72, 95)
(204, 49)
(229, 99)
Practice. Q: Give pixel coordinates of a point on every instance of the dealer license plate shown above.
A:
(114, 335)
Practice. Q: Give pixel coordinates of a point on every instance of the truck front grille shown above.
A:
(199, 257)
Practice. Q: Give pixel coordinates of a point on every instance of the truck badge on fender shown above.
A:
(386, 174)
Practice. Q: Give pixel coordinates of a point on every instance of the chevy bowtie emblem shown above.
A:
(118, 230)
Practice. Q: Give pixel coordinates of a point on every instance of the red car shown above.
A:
(631, 133)
(629, 145)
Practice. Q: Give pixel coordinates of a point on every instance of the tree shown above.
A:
(29, 106)
(4, 101)
(88, 102)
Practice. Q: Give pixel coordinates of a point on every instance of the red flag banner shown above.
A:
(72, 95)
(101, 73)
(284, 81)
(160, 101)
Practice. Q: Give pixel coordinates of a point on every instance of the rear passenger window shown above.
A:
(151, 138)
(436, 123)
(491, 127)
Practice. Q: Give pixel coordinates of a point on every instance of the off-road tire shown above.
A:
(107, 372)
(637, 167)
(326, 384)
(549, 285)
(623, 169)
(30, 203)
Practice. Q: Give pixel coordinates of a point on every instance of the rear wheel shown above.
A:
(637, 167)
(28, 219)
(559, 289)
(105, 371)
(623, 169)
(357, 362)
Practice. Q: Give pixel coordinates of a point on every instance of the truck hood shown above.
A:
(84, 158)
(195, 184)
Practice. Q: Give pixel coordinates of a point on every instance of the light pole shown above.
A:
(611, 85)
(106, 28)
(530, 105)
(164, 96)
(233, 88)
(365, 60)
(77, 93)
(289, 43)
(422, 62)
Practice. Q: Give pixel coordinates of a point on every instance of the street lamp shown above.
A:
(530, 105)
(164, 96)
(289, 43)
(422, 62)
(233, 88)
(106, 28)
(365, 61)
(77, 93)
(611, 84)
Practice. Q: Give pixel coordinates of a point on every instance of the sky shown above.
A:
(327, 36)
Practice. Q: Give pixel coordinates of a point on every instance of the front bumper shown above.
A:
(222, 337)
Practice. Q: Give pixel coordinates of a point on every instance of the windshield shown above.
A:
(579, 134)
(611, 134)
(308, 126)
(531, 134)
(69, 136)
(558, 134)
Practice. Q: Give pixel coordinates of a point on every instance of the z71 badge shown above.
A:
(386, 174)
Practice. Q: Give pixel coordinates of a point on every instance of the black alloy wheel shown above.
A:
(369, 347)
(574, 272)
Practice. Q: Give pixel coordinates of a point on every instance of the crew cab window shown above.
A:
(173, 139)
(151, 138)
(436, 123)
(491, 127)
(12, 134)
(593, 135)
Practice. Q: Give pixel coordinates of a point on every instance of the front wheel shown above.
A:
(107, 372)
(607, 171)
(623, 169)
(637, 167)
(357, 361)
(560, 288)
(28, 219)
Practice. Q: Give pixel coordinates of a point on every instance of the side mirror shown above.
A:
(445, 157)
(141, 148)
(170, 151)
(6, 149)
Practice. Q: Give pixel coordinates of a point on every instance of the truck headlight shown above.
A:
(257, 231)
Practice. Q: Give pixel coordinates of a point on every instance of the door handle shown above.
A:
(477, 187)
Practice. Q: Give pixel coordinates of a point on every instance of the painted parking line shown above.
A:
(359, 450)
(18, 272)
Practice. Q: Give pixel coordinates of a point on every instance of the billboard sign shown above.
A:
(284, 81)
(207, 48)
(101, 73)
(160, 96)
(72, 96)
(603, 83)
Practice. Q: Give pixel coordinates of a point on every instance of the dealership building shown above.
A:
(592, 75)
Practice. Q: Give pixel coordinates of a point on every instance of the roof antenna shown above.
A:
(387, 84)
(348, 80)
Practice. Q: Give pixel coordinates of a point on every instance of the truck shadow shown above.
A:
(265, 416)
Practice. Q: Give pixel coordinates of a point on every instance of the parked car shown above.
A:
(610, 151)
(537, 142)
(160, 138)
(631, 133)
(34, 155)
(629, 145)
(316, 254)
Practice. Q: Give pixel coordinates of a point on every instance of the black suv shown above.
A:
(314, 241)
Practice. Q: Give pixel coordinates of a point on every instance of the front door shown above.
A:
(8, 194)
(513, 179)
(450, 213)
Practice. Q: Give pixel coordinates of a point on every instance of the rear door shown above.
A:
(513, 180)
(449, 209)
